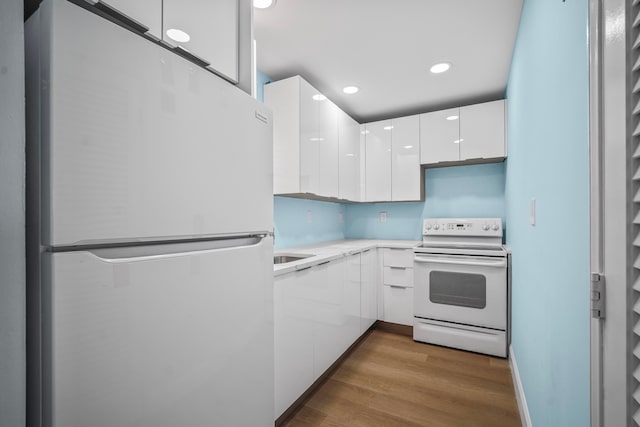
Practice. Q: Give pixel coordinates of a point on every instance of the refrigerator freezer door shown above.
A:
(140, 144)
(161, 340)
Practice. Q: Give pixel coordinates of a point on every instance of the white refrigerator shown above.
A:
(150, 212)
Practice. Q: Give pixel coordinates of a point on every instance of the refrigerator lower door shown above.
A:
(183, 339)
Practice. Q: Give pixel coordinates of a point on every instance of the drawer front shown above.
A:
(398, 257)
(398, 276)
(398, 305)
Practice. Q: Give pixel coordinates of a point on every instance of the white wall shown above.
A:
(12, 218)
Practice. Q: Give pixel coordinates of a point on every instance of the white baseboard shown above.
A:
(525, 419)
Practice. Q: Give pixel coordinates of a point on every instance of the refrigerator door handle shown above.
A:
(171, 250)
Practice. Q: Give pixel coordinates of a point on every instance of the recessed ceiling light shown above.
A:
(263, 4)
(178, 35)
(452, 118)
(458, 141)
(387, 127)
(440, 68)
(315, 139)
(408, 146)
(319, 97)
(350, 89)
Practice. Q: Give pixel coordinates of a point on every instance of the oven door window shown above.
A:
(459, 289)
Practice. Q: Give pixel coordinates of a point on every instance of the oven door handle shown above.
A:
(475, 262)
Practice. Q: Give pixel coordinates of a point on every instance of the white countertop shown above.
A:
(327, 251)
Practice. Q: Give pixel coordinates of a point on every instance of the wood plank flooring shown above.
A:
(390, 380)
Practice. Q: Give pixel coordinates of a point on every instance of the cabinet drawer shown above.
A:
(394, 257)
(398, 305)
(398, 276)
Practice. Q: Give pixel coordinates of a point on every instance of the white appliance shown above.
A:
(461, 285)
(150, 252)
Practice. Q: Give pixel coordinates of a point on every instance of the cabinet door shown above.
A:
(369, 288)
(328, 328)
(482, 132)
(293, 348)
(349, 158)
(439, 136)
(310, 138)
(351, 304)
(378, 161)
(327, 149)
(405, 159)
(147, 13)
(211, 28)
(398, 304)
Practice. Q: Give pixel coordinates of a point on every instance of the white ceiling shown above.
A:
(386, 47)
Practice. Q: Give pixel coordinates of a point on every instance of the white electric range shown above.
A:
(461, 285)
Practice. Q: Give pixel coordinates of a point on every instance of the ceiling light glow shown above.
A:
(263, 4)
(316, 139)
(350, 154)
(350, 89)
(408, 146)
(452, 118)
(319, 97)
(387, 127)
(458, 141)
(440, 68)
(178, 35)
(364, 132)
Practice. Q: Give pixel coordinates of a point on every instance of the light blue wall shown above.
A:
(548, 161)
(461, 191)
(303, 222)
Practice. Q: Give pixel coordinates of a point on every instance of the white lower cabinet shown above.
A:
(329, 318)
(398, 304)
(293, 346)
(397, 280)
(369, 288)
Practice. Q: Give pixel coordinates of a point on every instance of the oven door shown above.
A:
(470, 290)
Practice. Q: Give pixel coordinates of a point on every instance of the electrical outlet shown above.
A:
(383, 217)
(309, 217)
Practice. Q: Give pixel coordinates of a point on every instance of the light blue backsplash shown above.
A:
(303, 222)
(549, 161)
(460, 191)
(261, 80)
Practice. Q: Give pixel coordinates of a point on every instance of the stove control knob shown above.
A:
(436, 227)
(485, 227)
(495, 227)
(428, 227)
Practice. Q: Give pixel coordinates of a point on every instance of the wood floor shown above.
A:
(390, 380)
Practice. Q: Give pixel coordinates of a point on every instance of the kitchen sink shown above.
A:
(284, 258)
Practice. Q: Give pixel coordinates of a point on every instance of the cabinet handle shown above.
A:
(398, 268)
(190, 56)
(323, 263)
(399, 286)
(303, 268)
(366, 250)
(114, 13)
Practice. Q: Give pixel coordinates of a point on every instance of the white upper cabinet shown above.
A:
(305, 139)
(482, 131)
(328, 150)
(439, 136)
(207, 30)
(475, 132)
(349, 157)
(378, 161)
(144, 13)
(405, 159)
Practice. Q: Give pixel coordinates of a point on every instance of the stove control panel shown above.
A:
(462, 227)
